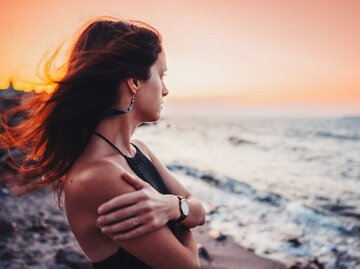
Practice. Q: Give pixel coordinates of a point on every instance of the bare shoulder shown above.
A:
(98, 178)
(93, 173)
(85, 189)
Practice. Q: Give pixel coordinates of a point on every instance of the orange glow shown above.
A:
(240, 52)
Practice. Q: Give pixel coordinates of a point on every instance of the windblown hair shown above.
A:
(57, 126)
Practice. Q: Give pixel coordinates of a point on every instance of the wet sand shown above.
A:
(222, 252)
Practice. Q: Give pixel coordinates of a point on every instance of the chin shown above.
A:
(158, 116)
(153, 118)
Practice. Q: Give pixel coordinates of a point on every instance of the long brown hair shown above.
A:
(56, 127)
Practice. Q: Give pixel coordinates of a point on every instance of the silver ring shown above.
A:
(135, 221)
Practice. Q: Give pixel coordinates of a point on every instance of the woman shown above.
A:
(124, 207)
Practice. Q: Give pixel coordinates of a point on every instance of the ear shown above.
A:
(133, 84)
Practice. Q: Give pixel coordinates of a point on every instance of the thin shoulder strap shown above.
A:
(111, 144)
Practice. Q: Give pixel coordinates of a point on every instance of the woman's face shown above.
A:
(149, 97)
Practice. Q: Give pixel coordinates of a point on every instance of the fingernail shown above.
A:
(100, 210)
(104, 230)
(100, 220)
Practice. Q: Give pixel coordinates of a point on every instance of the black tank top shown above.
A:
(145, 170)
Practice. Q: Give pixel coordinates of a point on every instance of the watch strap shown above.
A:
(182, 216)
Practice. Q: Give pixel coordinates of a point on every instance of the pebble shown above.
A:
(72, 259)
(294, 242)
(237, 141)
(5, 190)
(217, 235)
(203, 253)
(6, 228)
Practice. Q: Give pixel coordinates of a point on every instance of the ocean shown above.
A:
(287, 188)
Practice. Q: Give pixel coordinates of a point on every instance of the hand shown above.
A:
(141, 211)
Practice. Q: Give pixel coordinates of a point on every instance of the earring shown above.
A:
(113, 112)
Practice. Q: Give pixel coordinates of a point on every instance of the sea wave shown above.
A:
(230, 184)
(352, 137)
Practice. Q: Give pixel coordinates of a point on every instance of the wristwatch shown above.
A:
(184, 208)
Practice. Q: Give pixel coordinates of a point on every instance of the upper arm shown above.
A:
(103, 183)
(172, 183)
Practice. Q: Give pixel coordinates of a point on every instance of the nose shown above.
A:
(165, 91)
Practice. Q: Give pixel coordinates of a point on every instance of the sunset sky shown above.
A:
(257, 57)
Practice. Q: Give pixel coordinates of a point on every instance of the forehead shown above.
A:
(161, 61)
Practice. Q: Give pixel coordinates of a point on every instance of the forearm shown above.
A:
(196, 215)
(186, 239)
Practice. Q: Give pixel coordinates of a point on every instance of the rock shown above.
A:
(59, 266)
(238, 141)
(318, 264)
(72, 259)
(6, 228)
(43, 214)
(314, 264)
(217, 235)
(38, 226)
(213, 209)
(294, 242)
(43, 240)
(62, 227)
(297, 265)
(65, 239)
(209, 177)
(4, 190)
(203, 253)
(273, 199)
(30, 259)
(6, 255)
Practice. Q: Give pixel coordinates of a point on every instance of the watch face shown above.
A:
(185, 207)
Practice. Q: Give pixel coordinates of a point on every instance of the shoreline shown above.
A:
(220, 251)
(35, 234)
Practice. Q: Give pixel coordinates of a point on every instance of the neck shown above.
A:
(119, 129)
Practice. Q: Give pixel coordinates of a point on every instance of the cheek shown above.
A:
(147, 100)
(154, 89)
(151, 92)
(155, 82)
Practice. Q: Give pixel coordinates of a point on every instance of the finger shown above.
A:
(122, 226)
(120, 214)
(139, 231)
(120, 201)
(135, 181)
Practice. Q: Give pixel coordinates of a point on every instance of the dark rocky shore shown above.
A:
(35, 234)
